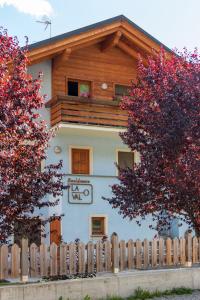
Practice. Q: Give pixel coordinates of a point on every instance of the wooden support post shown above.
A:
(115, 253)
(111, 41)
(24, 260)
(62, 58)
(188, 249)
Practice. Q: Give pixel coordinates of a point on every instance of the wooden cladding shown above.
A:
(80, 161)
(87, 111)
(112, 66)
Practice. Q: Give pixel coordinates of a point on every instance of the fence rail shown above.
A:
(101, 256)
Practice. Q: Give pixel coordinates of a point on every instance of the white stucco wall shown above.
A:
(75, 223)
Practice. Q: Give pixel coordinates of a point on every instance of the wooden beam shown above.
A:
(60, 59)
(145, 45)
(111, 41)
(128, 50)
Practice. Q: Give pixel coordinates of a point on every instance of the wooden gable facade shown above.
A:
(89, 65)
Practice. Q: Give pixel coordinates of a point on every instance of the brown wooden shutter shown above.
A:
(80, 161)
(55, 231)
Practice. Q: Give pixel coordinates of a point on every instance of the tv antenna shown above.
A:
(47, 23)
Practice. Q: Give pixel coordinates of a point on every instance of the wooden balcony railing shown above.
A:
(69, 109)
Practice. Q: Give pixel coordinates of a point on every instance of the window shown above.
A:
(31, 229)
(80, 161)
(78, 88)
(55, 231)
(98, 226)
(72, 88)
(125, 159)
(121, 90)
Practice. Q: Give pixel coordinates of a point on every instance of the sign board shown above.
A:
(80, 191)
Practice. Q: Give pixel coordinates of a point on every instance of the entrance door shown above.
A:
(55, 231)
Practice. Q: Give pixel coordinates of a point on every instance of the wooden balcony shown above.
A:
(79, 110)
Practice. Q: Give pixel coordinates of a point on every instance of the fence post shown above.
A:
(24, 260)
(188, 249)
(115, 253)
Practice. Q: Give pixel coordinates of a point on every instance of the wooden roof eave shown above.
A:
(74, 43)
(98, 35)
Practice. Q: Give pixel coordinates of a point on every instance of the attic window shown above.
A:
(78, 88)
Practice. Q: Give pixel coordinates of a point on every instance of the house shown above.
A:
(86, 72)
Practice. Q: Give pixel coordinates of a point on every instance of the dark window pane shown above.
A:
(125, 159)
(72, 88)
(121, 90)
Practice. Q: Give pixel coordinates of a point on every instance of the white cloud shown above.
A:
(33, 7)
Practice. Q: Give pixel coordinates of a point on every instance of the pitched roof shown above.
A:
(133, 39)
(94, 26)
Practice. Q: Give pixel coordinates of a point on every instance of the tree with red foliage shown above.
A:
(164, 127)
(24, 139)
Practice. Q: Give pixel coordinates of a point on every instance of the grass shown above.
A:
(144, 294)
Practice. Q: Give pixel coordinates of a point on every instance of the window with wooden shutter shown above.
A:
(80, 161)
(55, 231)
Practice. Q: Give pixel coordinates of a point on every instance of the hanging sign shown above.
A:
(80, 191)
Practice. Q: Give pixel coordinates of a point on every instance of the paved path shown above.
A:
(194, 296)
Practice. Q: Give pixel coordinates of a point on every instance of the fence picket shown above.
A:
(168, 252)
(195, 250)
(182, 251)
(154, 257)
(115, 253)
(72, 259)
(99, 256)
(189, 247)
(175, 251)
(44, 265)
(3, 262)
(130, 246)
(122, 255)
(33, 260)
(138, 254)
(63, 259)
(81, 257)
(107, 247)
(15, 261)
(90, 257)
(53, 259)
(146, 254)
(161, 252)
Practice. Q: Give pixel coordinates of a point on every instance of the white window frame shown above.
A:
(97, 237)
(90, 158)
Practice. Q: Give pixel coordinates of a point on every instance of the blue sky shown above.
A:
(176, 23)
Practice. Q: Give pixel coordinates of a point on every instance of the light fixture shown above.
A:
(104, 86)
(57, 149)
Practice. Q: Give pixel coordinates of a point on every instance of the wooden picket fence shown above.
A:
(102, 256)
